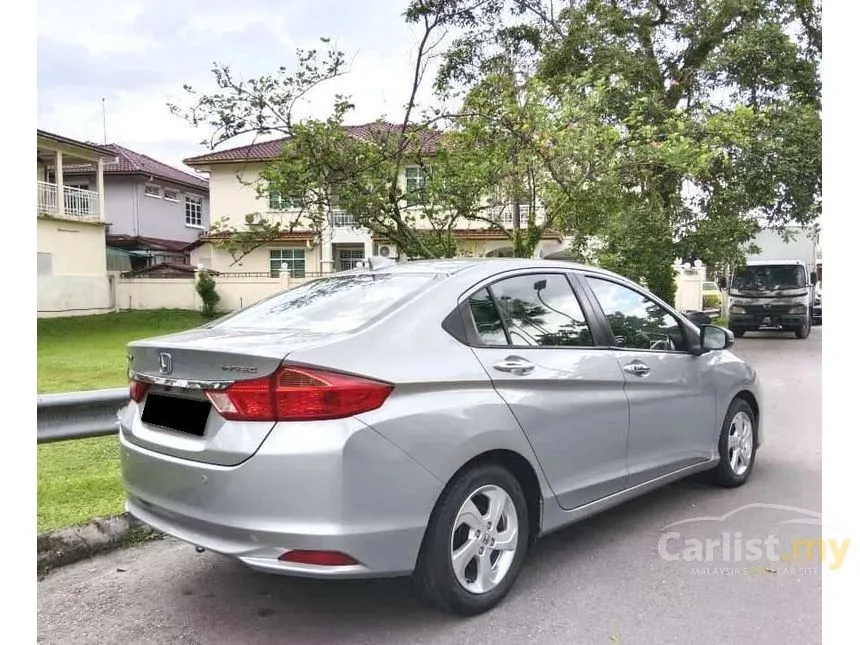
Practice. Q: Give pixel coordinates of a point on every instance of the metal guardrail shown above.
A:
(78, 415)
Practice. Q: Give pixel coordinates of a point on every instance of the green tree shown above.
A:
(515, 149)
(716, 102)
(324, 166)
(208, 294)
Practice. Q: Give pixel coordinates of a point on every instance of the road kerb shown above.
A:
(65, 546)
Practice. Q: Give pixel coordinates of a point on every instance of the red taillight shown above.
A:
(325, 558)
(137, 390)
(299, 394)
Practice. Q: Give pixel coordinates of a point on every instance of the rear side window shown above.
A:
(487, 320)
(332, 305)
(535, 310)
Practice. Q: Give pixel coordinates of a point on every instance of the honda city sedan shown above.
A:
(430, 418)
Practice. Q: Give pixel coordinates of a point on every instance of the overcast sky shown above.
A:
(137, 55)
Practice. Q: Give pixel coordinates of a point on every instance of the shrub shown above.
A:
(207, 293)
(711, 301)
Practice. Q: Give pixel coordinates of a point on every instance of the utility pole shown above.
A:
(104, 122)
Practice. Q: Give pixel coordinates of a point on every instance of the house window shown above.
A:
(279, 202)
(171, 195)
(416, 179)
(194, 211)
(349, 258)
(292, 259)
(151, 190)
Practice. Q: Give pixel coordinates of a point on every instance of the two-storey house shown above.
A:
(70, 229)
(152, 210)
(233, 179)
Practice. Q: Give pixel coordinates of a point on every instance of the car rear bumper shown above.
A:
(336, 486)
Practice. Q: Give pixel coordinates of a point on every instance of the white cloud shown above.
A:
(137, 55)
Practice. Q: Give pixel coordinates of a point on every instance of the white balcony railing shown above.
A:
(343, 220)
(78, 203)
(506, 216)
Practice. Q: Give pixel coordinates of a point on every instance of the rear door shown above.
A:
(562, 384)
(672, 395)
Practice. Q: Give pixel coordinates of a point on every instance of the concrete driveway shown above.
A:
(605, 580)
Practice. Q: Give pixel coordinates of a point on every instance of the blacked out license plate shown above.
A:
(176, 413)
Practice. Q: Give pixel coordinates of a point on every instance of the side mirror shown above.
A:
(721, 283)
(813, 278)
(715, 338)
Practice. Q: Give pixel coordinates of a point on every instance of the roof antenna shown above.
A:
(104, 123)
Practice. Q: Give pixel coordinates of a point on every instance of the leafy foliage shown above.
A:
(645, 129)
(206, 290)
(711, 301)
(716, 104)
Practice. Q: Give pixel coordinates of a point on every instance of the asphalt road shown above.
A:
(600, 581)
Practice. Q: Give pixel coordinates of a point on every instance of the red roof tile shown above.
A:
(268, 150)
(156, 243)
(129, 162)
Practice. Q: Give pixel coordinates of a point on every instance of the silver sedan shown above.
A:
(428, 418)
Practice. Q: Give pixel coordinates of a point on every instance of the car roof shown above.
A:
(488, 266)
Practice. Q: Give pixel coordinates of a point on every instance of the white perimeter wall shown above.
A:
(180, 293)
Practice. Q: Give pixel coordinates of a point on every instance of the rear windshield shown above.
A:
(710, 286)
(331, 305)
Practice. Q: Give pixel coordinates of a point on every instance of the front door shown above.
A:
(566, 393)
(672, 398)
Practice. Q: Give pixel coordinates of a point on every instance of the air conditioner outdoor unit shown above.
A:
(387, 251)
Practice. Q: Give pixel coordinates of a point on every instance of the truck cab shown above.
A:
(773, 295)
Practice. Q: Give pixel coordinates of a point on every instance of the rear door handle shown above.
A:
(637, 368)
(514, 365)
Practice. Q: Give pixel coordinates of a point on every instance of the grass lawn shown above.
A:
(79, 479)
(88, 352)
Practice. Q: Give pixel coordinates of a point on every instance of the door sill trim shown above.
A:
(563, 517)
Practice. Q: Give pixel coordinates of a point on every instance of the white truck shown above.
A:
(775, 290)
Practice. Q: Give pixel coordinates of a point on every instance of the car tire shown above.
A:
(738, 444)
(802, 331)
(739, 333)
(454, 529)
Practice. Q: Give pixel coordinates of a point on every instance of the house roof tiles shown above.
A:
(268, 150)
(129, 162)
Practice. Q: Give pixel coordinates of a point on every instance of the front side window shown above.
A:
(194, 211)
(292, 260)
(637, 322)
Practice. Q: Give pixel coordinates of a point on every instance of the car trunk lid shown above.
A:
(175, 417)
